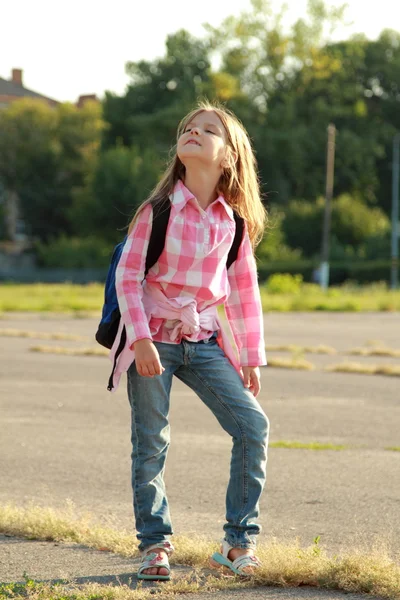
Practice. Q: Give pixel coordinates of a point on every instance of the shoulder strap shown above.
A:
(237, 240)
(158, 232)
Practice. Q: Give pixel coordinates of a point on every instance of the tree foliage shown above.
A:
(84, 172)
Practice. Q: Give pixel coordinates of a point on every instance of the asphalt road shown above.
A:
(64, 436)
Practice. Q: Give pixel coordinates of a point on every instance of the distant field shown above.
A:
(84, 299)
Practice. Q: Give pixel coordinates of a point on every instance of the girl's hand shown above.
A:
(147, 358)
(251, 377)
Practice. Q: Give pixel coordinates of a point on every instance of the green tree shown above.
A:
(119, 181)
(160, 93)
(43, 154)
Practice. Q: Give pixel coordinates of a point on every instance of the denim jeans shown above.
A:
(204, 367)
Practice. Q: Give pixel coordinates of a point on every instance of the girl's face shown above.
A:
(203, 141)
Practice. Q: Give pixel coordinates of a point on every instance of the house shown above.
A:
(13, 89)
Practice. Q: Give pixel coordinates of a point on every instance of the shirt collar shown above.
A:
(181, 195)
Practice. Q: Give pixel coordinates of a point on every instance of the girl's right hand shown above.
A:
(147, 358)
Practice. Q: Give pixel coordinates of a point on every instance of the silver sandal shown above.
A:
(151, 560)
(220, 559)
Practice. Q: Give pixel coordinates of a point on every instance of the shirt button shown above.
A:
(203, 216)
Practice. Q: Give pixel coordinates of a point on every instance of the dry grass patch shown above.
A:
(42, 335)
(389, 370)
(307, 446)
(393, 448)
(70, 351)
(284, 564)
(320, 349)
(290, 363)
(375, 351)
(37, 523)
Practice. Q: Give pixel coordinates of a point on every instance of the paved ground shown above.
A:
(65, 436)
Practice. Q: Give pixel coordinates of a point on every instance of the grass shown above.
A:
(346, 298)
(70, 351)
(77, 299)
(349, 367)
(307, 446)
(42, 335)
(380, 350)
(290, 363)
(320, 349)
(393, 448)
(40, 297)
(371, 571)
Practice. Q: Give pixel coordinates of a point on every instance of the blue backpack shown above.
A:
(111, 316)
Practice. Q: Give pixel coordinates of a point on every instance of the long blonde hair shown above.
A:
(239, 183)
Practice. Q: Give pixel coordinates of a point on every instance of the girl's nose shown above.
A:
(195, 130)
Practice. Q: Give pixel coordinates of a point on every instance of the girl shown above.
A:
(172, 328)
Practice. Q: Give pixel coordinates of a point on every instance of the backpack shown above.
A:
(111, 316)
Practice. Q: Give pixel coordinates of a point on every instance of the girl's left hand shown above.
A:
(251, 378)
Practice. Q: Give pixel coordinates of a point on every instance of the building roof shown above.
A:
(9, 88)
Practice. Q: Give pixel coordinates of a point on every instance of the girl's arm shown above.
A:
(129, 276)
(243, 307)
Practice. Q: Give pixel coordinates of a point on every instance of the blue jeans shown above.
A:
(206, 370)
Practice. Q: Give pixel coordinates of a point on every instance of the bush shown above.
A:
(378, 246)
(305, 268)
(284, 283)
(74, 253)
(273, 246)
(302, 225)
(352, 224)
(362, 271)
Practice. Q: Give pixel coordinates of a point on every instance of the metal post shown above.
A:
(330, 164)
(394, 281)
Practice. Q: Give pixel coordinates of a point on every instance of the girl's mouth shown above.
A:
(192, 142)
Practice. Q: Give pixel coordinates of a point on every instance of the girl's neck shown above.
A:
(203, 186)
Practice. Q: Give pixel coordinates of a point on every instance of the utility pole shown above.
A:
(394, 280)
(330, 166)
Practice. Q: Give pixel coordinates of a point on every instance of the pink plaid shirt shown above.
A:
(190, 278)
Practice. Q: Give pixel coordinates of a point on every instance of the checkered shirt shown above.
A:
(193, 265)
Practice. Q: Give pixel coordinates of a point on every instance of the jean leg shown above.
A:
(150, 436)
(211, 375)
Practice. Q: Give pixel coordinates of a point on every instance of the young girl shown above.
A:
(172, 328)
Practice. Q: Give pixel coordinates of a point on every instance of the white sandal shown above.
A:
(220, 559)
(151, 560)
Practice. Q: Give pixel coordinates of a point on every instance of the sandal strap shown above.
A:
(247, 560)
(226, 548)
(154, 559)
(166, 546)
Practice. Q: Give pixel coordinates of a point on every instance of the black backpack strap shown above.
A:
(161, 214)
(237, 240)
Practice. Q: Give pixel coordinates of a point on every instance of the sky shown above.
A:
(81, 46)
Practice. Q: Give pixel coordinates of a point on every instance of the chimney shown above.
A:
(17, 76)
(86, 98)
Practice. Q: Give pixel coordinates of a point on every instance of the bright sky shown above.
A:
(81, 46)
